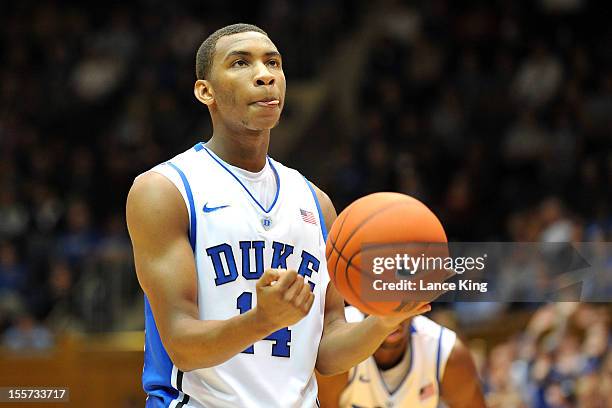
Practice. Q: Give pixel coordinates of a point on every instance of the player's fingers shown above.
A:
(424, 309)
(421, 305)
(294, 289)
(269, 276)
(286, 279)
(412, 309)
(302, 296)
(308, 303)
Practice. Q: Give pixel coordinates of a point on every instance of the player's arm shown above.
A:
(344, 345)
(330, 389)
(158, 221)
(460, 383)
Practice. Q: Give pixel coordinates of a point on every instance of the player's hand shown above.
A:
(283, 297)
(409, 310)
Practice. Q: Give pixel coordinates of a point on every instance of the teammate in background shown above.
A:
(416, 366)
(229, 247)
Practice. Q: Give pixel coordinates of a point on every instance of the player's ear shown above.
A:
(203, 92)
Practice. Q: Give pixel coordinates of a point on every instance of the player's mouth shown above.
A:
(268, 103)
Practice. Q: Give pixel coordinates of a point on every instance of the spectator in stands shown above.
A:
(26, 334)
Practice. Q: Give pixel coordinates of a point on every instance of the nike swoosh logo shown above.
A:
(211, 209)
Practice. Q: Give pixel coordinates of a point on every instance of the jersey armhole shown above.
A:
(324, 235)
(446, 342)
(187, 195)
(316, 200)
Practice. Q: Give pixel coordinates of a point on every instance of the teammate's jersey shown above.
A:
(430, 346)
(235, 239)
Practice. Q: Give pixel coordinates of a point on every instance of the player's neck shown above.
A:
(245, 150)
(402, 356)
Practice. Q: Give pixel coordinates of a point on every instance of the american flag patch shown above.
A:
(426, 392)
(308, 217)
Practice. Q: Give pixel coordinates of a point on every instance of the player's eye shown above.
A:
(239, 63)
(274, 63)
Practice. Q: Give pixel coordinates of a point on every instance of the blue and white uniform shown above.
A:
(236, 233)
(413, 382)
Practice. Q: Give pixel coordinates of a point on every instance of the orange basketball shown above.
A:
(380, 218)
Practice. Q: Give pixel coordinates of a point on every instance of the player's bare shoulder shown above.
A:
(157, 220)
(154, 202)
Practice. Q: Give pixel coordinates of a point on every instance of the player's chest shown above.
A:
(417, 388)
(226, 207)
(237, 243)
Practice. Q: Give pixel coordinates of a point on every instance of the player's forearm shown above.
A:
(206, 343)
(344, 345)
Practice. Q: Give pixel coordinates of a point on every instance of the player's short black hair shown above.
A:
(206, 52)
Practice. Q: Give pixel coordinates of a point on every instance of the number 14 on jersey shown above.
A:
(281, 338)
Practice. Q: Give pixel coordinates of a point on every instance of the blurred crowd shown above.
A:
(497, 114)
(561, 360)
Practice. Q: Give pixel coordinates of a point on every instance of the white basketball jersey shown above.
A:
(235, 239)
(430, 346)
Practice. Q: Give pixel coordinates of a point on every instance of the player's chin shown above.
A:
(264, 122)
(390, 347)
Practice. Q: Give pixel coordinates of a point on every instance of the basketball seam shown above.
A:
(403, 302)
(333, 243)
(366, 220)
(334, 249)
(346, 274)
(349, 261)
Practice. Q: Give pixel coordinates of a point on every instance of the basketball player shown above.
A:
(416, 366)
(229, 248)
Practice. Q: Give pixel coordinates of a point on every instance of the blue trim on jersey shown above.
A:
(438, 357)
(193, 221)
(157, 372)
(321, 218)
(198, 147)
(243, 186)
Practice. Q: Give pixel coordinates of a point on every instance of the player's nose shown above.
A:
(263, 76)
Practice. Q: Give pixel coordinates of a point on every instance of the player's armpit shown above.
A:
(330, 389)
(158, 222)
(460, 387)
